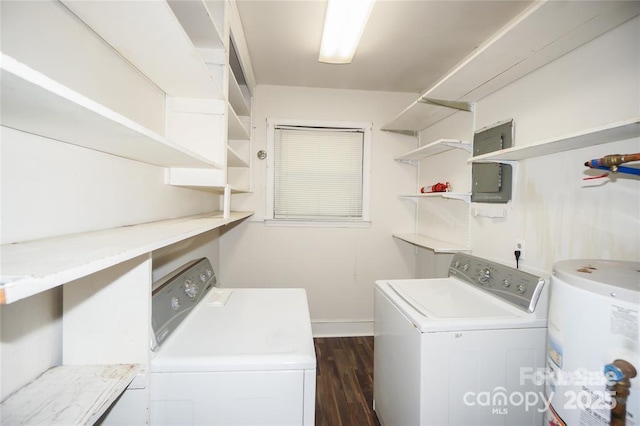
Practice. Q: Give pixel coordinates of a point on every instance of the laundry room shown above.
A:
(153, 147)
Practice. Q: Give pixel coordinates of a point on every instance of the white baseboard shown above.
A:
(341, 328)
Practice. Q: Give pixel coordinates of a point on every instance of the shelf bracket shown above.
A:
(409, 162)
(463, 106)
(459, 145)
(402, 132)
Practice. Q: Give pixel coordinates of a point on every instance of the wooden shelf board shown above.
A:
(33, 103)
(234, 159)
(236, 129)
(434, 148)
(464, 196)
(236, 97)
(32, 267)
(70, 394)
(612, 132)
(542, 33)
(418, 116)
(213, 189)
(196, 19)
(437, 246)
(149, 35)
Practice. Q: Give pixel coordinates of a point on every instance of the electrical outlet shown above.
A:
(519, 245)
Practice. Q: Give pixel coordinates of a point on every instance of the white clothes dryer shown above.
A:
(460, 350)
(230, 356)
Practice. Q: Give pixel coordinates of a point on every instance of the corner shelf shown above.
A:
(542, 33)
(611, 132)
(70, 394)
(434, 148)
(438, 246)
(463, 196)
(150, 35)
(34, 103)
(31, 267)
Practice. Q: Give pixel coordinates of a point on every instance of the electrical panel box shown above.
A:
(491, 182)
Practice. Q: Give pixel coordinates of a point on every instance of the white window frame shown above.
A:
(365, 127)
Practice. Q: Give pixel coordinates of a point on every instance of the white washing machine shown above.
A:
(230, 356)
(460, 350)
(594, 321)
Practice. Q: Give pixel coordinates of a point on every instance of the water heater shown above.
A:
(593, 354)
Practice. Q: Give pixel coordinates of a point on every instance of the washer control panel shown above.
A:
(512, 285)
(176, 294)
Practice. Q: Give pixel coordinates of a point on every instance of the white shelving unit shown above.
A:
(34, 103)
(74, 395)
(31, 267)
(413, 158)
(438, 246)
(542, 33)
(106, 276)
(612, 132)
(151, 36)
(240, 126)
(183, 47)
(434, 148)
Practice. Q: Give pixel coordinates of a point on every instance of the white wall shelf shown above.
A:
(74, 395)
(612, 132)
(434, 148)
(463, 196)
(150, 36)
(234, 159)
(34, 103)
(438, 246)
(236, 129)
(32, 267)
(542, 33)
(203, 22)
(237, 98)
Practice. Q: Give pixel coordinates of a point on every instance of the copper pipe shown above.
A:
(612, 161)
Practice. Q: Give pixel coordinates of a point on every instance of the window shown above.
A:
(319, 172)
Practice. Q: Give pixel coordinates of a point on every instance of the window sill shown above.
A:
(318, 223)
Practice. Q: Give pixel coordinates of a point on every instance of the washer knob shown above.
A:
(203, 278)
(506, 283)
(190, 289)
(457, 264)
(484, 276)
(521, 288)
(175, 303)
(465, 267)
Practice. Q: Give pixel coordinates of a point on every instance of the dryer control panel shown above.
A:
(512, 285)
(176, 294)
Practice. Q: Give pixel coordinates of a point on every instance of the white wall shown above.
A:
(49, 188)
(559, 215)
(337, 266)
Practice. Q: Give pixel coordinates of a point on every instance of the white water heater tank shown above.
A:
(594, 317)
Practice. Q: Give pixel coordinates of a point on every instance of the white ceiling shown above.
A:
(406, 46)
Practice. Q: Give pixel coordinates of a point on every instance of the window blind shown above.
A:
(318, 173)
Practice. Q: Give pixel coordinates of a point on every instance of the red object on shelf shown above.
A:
(438, 187)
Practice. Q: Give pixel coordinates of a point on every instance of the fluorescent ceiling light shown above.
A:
(343, 26)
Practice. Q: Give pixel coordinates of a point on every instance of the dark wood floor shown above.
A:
(344, 387)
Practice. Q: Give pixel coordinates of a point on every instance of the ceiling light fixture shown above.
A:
(343, 26)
